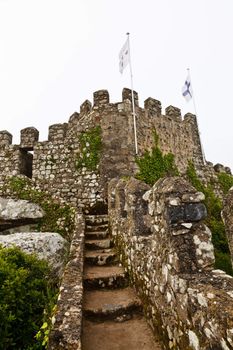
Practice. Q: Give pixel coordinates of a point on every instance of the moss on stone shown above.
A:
(90, 149)
(58, 218)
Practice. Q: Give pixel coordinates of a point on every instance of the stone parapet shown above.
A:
(28, 138)
(101, 97)
(67, 322)
(153, 106)
(127, 96)
(57, 132)
(227, 215)
(173, 112)
(171, 262)
(5, 138)
(85, 108)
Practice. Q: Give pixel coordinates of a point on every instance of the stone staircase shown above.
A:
(112, 312)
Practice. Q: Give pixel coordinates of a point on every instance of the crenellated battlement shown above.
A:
(53, 162)
(152, 108)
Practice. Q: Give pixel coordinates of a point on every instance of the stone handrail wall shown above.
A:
(227, 215)
(67, 321)
(167, 250)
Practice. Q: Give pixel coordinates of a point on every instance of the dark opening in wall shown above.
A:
(26, 159)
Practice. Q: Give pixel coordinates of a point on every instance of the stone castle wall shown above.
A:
(167, 250)
(52, 163)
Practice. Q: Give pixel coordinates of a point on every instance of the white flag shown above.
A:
(124, 56)
(187, 91)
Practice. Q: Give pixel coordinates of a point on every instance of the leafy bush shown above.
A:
(25, 292)
(213, 221)
(226, 181)
(154, 165)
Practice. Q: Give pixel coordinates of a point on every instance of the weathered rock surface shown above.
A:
(11, 209)
(46, 245)
(18, 212)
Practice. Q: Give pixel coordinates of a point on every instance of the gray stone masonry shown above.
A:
(67, 322)
(28, 138)
(53, 164)
(227, 215)
(169, 256)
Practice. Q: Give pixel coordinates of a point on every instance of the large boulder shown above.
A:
(11, 209)
(50, 246)
(18, 212)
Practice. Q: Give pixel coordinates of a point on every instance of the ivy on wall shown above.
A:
(213, 221)
(154, 165)
(90, 149)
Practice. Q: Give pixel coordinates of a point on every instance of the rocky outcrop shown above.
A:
(50, 246)
(18, 212)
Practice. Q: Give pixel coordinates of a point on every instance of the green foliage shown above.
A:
(226, 181)
(58, 218)
(154, 165)
(213, 221)
(25, 292)
(90, 149)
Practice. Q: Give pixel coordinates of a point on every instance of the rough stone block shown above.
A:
(74, 118)
(153, 106)
(127, 96)
(173, 112)
(5, 138)
(28, 138)
(101, 97)
(57, 132)
(190, 212)
(85, 108)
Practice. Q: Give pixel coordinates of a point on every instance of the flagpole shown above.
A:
(195, 111)
(133, 104)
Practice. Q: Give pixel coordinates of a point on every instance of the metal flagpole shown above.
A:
(195, 111)
(133, 104)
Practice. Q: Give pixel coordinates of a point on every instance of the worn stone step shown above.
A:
(98, 243)
(134, 334)
(91, 228)
(110, 304)
(110, 277)
(96, 219)
(100, 257)
(96, 235)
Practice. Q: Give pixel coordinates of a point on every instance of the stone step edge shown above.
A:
(109, 282)
(111, 314)
(90, 228)
(101, 258)
(98, 244)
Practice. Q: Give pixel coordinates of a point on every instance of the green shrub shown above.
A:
(226, 181)
(154, 165)
(25, 292)
(213, 221)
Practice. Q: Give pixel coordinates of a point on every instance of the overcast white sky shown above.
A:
(55, 53)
